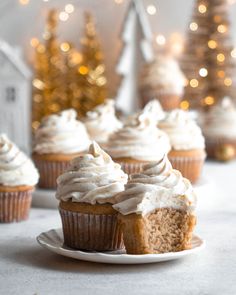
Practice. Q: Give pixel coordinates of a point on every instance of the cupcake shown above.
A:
(59, 139)
(101, 122)
(219, 128)
(139, 142)
(163, 80)
(187, 143)
(18, 176)
(156, 210)
(86, 192)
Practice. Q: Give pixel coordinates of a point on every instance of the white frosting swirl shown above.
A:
(183, 132)
(221, 120)
(165, 74)
(139, 139)
(92, 178)
(102, 121)
(159, 186)
(61, 133)
(16, 168)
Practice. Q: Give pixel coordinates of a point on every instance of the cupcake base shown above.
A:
(90, 227)
(164, 230)
(189, 163)
(50, 166)
(15, 203)
(130, 166)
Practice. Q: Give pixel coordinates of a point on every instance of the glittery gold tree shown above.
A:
(208, 61)
(49, 85)
(92, 80)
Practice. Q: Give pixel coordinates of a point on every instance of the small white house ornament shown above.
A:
(15, 97)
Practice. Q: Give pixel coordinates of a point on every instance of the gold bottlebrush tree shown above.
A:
(49, 85)
(92, 79)
(208, 61)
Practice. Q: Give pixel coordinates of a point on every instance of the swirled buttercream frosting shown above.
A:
(183, 132)
(139, 139)
(221, 120)
(101, 122)
(16, 168)
(61, 133)
(92, 178)
(158, 186)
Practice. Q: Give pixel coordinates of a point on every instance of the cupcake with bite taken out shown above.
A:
(187, 143)
(59, 139)
(139, 142)
(101, 122)
(156, 210)
(18, 177)
(87, 192)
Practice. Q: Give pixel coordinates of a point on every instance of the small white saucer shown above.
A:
(53, 240)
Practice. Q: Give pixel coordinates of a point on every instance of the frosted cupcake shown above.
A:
(18, 176)
(86, 192)
(219, 129)
(163, 80)
(187, 144)
(156, 210)
(139, 142)
(59, 139)
(101, 122)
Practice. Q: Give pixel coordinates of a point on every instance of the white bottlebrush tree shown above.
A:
(137, 48)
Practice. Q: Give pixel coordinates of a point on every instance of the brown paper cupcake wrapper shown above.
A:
(191, 168)
(92, 232)
(49, 172)
(15, 206)
(213, 145)
(169, 101)
(131, 168)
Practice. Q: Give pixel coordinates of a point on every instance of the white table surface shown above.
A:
(26, 268)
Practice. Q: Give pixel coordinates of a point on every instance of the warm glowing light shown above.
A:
(65, 46)
(212, 44)
(184, 105)
(233, 53)
(202, 8)
(38, 84)
(118, 1)
(34, 42)
(161, 40)
(221, 74)
(193, 26)
(194, 83)
(176, 44)
(209, 100)
(83, 70)
(222, 29)
(228, 82)
(151, 9)
(217, 18)
(69, 8)
(203, 72)
(221, 57)
(41, 48)
(24, 2)
(63, 16)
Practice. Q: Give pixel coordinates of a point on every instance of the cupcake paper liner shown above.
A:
(213, 144)
(191, 168)
(94, 232)
(49, 172)
(15, 206)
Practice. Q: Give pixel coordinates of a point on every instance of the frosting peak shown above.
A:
(158, 186)
(15, 167)
(61, 133)
(102, 121)
(91, 178)
(183, 132)
(139, 139)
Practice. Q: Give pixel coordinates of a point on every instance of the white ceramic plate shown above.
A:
(53, 240)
